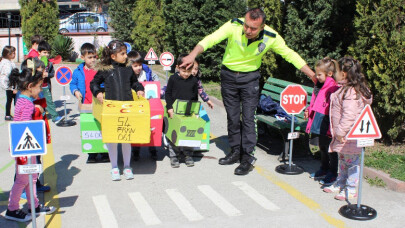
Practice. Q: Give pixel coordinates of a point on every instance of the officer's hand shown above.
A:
(210, 104)
(187, 61)
(100, 97)
(170, 113)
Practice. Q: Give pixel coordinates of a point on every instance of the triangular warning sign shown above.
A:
(27, 142)
(365, 126)
(151, 55)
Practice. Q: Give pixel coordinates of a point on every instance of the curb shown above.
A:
(392, 184)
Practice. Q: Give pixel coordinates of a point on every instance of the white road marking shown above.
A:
(256, 196)
(144, 209)
(219, 201)
(104, 212)
(184, 205)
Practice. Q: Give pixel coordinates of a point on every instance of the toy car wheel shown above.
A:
(174, 136)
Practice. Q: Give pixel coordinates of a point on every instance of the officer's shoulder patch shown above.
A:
(237, 20)
(269, 34)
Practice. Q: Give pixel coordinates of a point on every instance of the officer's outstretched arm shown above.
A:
(306, 70)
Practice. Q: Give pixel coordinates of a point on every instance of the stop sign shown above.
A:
(293, 99)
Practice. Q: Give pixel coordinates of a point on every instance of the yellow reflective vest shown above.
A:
(241, 57)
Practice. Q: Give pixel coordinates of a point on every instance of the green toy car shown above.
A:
(186, 128)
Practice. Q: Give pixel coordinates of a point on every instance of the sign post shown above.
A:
(27, 138)
(64, 77)
(364, 130)
(166, 60)
(293, 100)
(151, 56)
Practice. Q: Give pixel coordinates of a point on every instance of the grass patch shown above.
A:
(213, 89)
(378, 182)
(389, 159)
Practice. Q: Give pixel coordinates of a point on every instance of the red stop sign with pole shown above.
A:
(293, 99)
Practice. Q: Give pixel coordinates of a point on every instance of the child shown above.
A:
(6, 65)
(143, 74)
(28, 82)
(318, 118)
(197, 73)
(35, 40)
(180, 86)
(44, 50)
(80, 85)
(38, 66)
(346, 105)
(118, 81)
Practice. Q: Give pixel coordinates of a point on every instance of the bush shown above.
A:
(380, 32)
(63, 46)
(188, 22)
(39, 18)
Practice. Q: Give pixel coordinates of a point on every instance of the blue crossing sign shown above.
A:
(27, 138)
(63, 75)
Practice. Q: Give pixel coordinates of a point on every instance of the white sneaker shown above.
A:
(128, 173)
(331, 189)
(115, 174)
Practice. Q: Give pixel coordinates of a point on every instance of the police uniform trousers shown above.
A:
(240, 94)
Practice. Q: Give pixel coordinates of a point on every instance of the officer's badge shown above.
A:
(261, 48)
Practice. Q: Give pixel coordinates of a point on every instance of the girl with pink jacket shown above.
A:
(346, 105)
(318, 118)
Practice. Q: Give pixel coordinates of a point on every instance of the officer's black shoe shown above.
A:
(245, 166)
(231, 158)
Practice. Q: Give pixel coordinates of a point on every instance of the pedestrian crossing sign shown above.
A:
(27, 138)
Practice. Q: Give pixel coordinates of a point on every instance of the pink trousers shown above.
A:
(22, 182)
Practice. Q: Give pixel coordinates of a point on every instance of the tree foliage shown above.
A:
(316, 29)
(120, 12)
(39, 18)
(189, 21)
(273, 11)
(149, 25)
(379, 46)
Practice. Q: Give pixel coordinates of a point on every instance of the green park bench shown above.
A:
(273, 87)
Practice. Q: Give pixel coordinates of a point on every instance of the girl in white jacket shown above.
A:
(6, 65)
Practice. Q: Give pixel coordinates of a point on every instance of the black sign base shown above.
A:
(67, 123)
(289, 170)
(363, 213)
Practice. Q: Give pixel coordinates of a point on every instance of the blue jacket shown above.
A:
(78, 81)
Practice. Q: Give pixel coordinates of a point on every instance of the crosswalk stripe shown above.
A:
(184, 205)
(219, 201)
(256, 196)
(148, 215)
(104, 211)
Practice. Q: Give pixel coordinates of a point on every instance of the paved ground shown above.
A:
(207, 195)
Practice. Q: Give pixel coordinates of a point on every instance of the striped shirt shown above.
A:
(24, 108)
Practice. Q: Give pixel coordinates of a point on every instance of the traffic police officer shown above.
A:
(248, 40)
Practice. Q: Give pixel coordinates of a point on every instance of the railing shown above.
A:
(15, 21)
